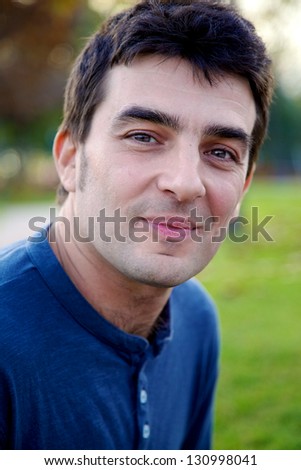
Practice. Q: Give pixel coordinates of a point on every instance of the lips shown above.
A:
(172, 228)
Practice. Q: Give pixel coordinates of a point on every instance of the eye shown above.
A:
(142, 137)
(222, 154)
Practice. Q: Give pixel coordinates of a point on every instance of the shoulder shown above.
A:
(14, 263)
(16, 275)
(20, 286)
(192, 297)
(194, 312)
(25, 300)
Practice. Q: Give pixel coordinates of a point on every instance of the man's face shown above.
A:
(168, 155)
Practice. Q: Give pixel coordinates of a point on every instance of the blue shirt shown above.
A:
(71, 380)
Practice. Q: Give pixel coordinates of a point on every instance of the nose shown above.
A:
(182, 176)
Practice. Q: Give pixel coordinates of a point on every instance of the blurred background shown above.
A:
(256, 284)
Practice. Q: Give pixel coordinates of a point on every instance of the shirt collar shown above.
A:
(77, 306)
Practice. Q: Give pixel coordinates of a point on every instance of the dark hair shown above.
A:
(212, 36)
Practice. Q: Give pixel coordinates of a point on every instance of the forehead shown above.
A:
(170, 85)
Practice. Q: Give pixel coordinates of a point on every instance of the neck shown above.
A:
(131, 306)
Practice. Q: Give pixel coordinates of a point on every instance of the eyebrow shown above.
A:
(139, 113)
(229, 132)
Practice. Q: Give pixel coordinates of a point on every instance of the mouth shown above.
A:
(172, 228)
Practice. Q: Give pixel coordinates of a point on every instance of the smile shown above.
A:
(171, 228)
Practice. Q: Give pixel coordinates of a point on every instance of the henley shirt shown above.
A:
(69, 379)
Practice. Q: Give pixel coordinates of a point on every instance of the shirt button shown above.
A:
(146, 431)
(143, 397)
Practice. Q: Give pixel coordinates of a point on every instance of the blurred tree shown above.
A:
(281, 153)
(35, 52)
(278, 22)
(38, 42)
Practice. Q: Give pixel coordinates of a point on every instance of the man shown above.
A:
(106, 342)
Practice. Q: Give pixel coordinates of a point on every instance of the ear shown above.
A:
(245, 190)
(64, 152)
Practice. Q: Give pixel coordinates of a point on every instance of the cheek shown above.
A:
(128, 181)
(114, 187)
(224, 199)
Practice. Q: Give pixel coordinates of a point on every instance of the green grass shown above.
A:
(25, 194)
(257, 288)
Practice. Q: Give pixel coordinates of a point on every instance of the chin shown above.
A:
(164, 279)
